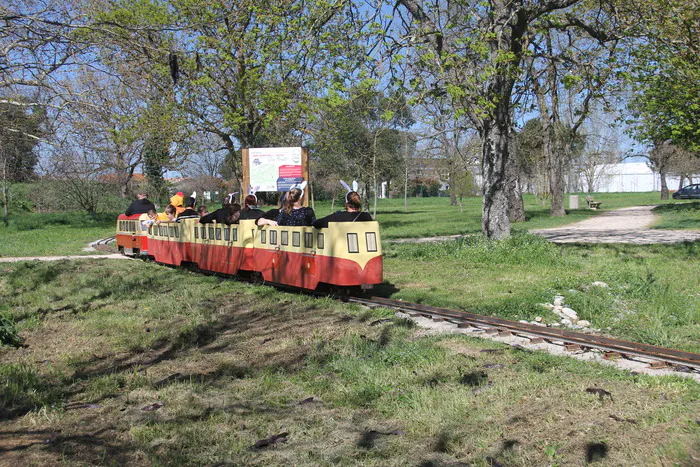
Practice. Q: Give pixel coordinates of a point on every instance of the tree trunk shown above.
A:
(495, 222)
(664, 186)
(557, 188)
(516, 207)
(405, 191)
(680, 181)
(453, 194)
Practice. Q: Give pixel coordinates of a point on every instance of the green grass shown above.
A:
(652, 295)
(678, 215)
(230, 364)
(51, 234)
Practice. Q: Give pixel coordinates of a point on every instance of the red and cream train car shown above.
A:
(346, 254)
(132, 235)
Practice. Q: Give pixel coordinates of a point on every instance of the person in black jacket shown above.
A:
(227, 214)
(189, 212)
(140, 205)
(353, 212)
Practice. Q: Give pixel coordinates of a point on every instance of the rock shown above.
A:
(569, 313)
(565, 322)
(583, 323)
(524, 321)
(600, 284)
(538, 319)
(547, 305)
(537, 324)
(558, 301)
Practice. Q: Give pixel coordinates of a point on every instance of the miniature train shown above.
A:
(344, 255)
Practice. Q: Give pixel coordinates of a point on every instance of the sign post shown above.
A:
(275, 169)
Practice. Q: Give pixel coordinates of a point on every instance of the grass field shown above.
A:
(131, 363)
(53, 234)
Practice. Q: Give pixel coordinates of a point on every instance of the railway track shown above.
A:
(656, 357)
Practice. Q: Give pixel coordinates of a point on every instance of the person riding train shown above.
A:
(353, 209)
(293, 213)
(227, 214)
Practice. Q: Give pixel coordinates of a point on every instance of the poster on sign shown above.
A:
(275, 169)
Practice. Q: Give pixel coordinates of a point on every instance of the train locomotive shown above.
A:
(346, 255)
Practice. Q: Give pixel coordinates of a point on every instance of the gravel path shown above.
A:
(58, 258)
(626, 225)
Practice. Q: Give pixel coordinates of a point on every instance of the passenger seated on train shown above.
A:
(152, 218)
(176, 200)
(170, 214)
(202, 211)
(227, 214)
(293, 213)
(250, 209)
(189, 212)
(140, 205)
(353, 212)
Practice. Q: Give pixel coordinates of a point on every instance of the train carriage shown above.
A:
(132, 235)
(346, 254)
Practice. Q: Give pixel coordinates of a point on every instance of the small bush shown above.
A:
(8, 331)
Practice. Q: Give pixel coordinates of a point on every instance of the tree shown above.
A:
(473, 51)
(665, 72)
(359, 136)
(21, 129)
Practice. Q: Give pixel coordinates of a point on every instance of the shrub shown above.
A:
(8, 331)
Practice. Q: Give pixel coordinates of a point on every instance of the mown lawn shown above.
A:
(132, 363)
(53, 234)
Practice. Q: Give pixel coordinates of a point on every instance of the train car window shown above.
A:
(171, 230)
(284, 238)
(273, 237)
(353, 244)
(196, 232)
(133, 226)
(296, 238)
(218, 234)
(204, 233)
(158, 231)
(177, 231)
(211, 233)
(143, 227)
(371, 238)
(308, 240)
(319, 241)
(235, 233)
(263, 236)
(227, 234)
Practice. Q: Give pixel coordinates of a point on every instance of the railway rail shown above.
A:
(656, 357)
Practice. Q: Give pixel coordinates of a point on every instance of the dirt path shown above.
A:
(57, 258)
(626, 225)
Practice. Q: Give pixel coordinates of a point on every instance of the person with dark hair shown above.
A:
(227, 214)
(189, 212)
(170, 214)
(250, 208)
(293, 213)
(202, 211)
(353, 212)
(141, 205)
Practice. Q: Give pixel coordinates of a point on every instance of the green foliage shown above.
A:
(20, 130)
(8, 331)
(665, 74)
